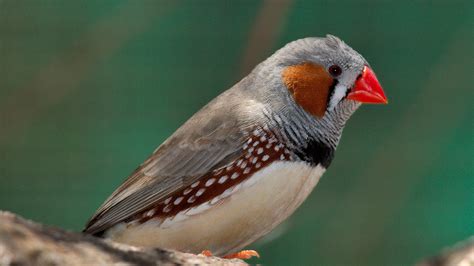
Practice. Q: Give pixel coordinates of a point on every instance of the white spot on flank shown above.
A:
(265, 157)
(234, 175)
(150, 212)
(256, 143)
(263, 139)
(268, 146)
(245, 146)
(200, 192)
(250, 150)
(214, 200)
(230, 191)
(223, 179)
(191, 199)
(282, 157)
(249, 141)
(210, 182)
(227, 192)
(178, 200)
(195, 184)
(229, 167)
(256, 132)
(239, 162)
(248, 155)
(247, 170)
(277, 148)
(168, 200)
(244, 164)
(254, 160)
(258, 165)
(260, 151)
(186, 191)
(167, 208)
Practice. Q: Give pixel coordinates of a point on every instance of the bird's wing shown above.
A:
(211, 138)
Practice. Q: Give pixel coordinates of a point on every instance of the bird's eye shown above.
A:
(335, 70)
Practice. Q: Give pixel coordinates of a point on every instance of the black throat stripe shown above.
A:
(331, 92)
(315, 153)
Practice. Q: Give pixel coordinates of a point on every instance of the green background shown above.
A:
(88, 89)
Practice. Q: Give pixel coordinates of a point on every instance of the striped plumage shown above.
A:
(247, 160)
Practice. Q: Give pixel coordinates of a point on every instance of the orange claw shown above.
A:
(243, 255)
(206, 253)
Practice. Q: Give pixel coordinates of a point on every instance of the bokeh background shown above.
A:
(88, 89)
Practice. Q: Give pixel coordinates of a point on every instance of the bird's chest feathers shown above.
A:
(310, 86)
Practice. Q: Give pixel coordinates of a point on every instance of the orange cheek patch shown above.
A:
(309, 85)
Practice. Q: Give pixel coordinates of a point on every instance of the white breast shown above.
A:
(249, 211)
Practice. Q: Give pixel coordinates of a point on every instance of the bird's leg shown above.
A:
(243, 255)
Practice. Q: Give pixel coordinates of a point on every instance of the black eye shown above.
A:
(335, 70)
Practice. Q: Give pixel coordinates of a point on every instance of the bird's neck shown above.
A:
(312, 139)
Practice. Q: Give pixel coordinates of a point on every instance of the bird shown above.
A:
(248, 159)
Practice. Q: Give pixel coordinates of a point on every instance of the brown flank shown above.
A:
(261, 149)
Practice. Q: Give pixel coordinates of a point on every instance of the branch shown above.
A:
(24, 242)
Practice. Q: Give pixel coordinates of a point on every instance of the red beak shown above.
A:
(367, 89)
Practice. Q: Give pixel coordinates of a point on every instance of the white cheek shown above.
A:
(339, 93)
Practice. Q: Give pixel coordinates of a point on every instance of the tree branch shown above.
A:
(24, 242)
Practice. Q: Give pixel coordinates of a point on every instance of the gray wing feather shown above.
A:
(211, 138)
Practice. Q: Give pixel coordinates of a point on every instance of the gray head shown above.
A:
(315, 85)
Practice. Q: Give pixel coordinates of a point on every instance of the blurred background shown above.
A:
(88, 89)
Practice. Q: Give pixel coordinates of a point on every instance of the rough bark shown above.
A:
(24, 242)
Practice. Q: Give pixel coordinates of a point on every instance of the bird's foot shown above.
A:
(206, 253)
(243, 255)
